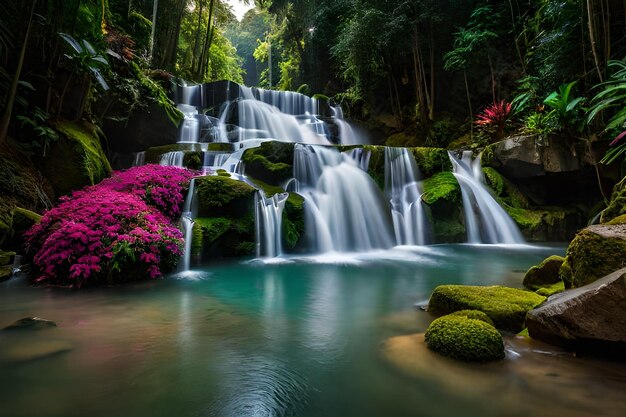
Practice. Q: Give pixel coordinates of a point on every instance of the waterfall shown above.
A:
(172, 159)
(485, 220)
(344, 209)
(361, 157)
(187, 221)
(139, 159)
(404, 190)
(268, 226)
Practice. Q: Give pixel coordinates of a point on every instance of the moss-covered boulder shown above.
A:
(271, 162)
(76, 159)
(6, 265)
(218, 195)
(191, 154)
(542, 224)
(465, 339)
(596, 251)
(551, 289)
(545, 274)
(473, 314)
(21, 220)
(443, 195)
(507, 307)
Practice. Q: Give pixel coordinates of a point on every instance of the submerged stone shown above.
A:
(507, 307)
(25, 352)
(589, 318)
(466, 339)
(31, 323)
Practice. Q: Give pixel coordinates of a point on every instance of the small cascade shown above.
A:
(404, 190)
(344, 208)
(485, 220)
(259, 120)
(214, 160)
(288, 102)
(139, 159)
(361, 157)
(172, 159)
(190, 127)
(187, 221)
(269, 214)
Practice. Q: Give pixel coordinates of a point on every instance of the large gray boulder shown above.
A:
(589, 318)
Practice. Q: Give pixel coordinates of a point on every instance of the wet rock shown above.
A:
(32, 323)
(589, 318)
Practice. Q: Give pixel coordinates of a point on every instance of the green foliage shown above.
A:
(507, 307)
(617, 205)
(443, 131)
(564, 105)
(464, 339)
(84, 59)
(40, 127)
(431, 160)
(159, 94)
(611, 100)
(540, 123)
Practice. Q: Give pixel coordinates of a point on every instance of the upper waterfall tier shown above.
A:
(225, 111)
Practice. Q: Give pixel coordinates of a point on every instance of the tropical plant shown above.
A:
(38, 123)
(564, 105)
(85, 63)
(612, 100)
(495, 116)
(540, 123)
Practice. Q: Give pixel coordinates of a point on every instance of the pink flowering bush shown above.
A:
(112, 232)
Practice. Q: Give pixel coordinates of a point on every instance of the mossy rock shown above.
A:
(545, 274)
(617, 220)
(76, 159)
(507, 307)
(6, 258)
(192, 154)
(271, 162)
(22, 220)
(222, 237)
(551, 289)
(6, 271)
(545, 223)
(473, 314)
(617, 205)
(218, 195)
(293, 220)
(505, 189)
(441, 186)
(465, 339)
(432, 160)
(595, 252)
(221, 147)
(403, 140)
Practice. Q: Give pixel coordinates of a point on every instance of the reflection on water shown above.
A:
(299, 337)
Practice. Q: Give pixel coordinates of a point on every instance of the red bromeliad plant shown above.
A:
(495, 116)
(119, 230)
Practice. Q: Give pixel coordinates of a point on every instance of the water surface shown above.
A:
(290, 337)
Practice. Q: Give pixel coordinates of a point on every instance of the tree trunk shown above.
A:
(6, 117)
(493, 78)
(196, 43)
(469, 105)
(153, 30)
(205, 49)
(592, 39)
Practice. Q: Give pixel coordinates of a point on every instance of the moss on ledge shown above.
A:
(464, 339)
(507, 307)
(76, 159)
(271, 162)
(441, 186)
(218, 195)
(432, 160)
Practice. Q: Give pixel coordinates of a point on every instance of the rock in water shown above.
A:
(589, 318)
(33, 323)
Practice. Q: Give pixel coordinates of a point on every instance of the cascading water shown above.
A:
(344, 208)
(172, 159)
(404, 190)
(361, 157)
(139, 159)
(485, 220)
(269, 224)
(187, 221)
